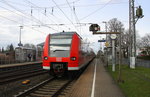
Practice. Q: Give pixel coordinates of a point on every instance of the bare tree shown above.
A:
(139, 43)
(114, 25)
(31, 46)
(27, 45)
(145, 42)
(125, 43)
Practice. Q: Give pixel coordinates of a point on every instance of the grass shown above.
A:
(136, 81)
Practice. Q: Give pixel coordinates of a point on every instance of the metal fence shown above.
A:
(6, 60)
(126, 61)
(11, 60)
(139, 62)
(20, 55)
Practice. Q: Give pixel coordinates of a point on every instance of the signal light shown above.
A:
(73, 58)
(94, 27)
(45, 58)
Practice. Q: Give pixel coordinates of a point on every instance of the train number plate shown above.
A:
(59, 59)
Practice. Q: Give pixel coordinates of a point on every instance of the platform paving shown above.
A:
(104, 84)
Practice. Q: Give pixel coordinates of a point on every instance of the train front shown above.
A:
(56, 53)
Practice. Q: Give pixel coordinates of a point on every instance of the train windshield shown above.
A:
(60, 45)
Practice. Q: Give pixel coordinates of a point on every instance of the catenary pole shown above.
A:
(132, 34)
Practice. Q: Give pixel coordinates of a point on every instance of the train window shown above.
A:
(60, 41)
(60, 46)
(61, 36)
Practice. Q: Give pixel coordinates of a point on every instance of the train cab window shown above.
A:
(60, 45)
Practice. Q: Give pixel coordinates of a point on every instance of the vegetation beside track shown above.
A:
(136, 81)
(144, 57)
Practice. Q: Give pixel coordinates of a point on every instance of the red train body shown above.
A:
(65, 52)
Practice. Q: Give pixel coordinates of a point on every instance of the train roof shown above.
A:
(66, 33)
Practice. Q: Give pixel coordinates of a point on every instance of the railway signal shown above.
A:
(94, 28)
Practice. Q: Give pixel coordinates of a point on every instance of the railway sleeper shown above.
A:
(44, 93)
(50, 88)
(46, 90)
(56, 85)
(39, 95)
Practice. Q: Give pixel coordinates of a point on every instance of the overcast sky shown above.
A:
(41, 17)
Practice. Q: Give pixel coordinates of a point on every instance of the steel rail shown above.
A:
(30, 90)
(21, 76)
(41, 90)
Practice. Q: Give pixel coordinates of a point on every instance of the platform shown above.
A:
(95, 82)
(18, 64)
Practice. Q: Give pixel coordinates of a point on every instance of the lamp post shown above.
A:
(20, 44)
(100, 44)
(105, 26)
(106, 41)
(113, 37)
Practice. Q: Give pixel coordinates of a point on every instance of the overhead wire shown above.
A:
(94, 5)
(16, 13)
(16, 3)
(16, 21)
(95, 10)
(68, 2)
(21, 24)
(90, 5)
(61, 5)
(65, 14)
(78, 22)
(73, 9)
(69, 7)
(77, 19)
(5, 2)
(34, 5)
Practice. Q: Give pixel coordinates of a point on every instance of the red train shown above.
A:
(65, 52)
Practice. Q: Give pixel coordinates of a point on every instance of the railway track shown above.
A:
(9, 70)
(15, 73)
(10, 77)
(49, 88)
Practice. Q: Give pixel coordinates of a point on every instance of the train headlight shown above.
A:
(73, 58)
(45, 58)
